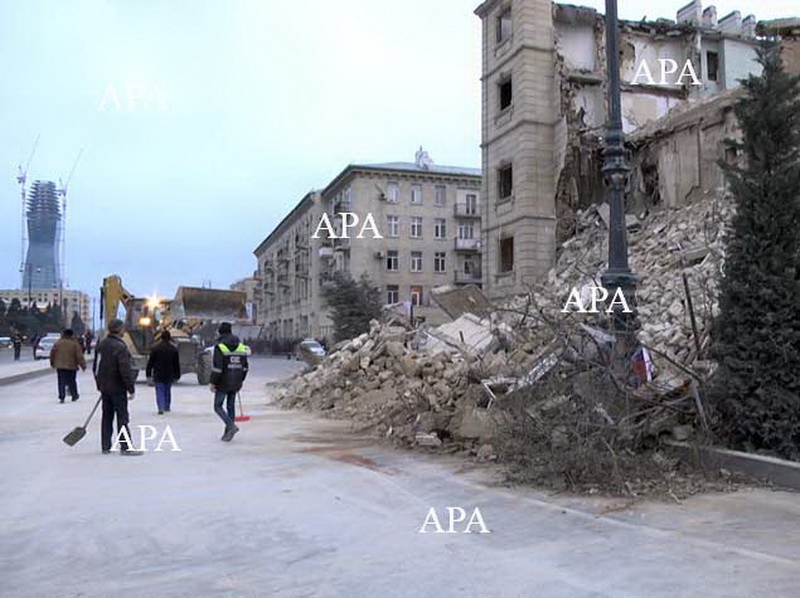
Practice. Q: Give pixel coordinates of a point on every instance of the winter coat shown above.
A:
(112, 366)
(163, 364)
(230, 366)
(67, 354)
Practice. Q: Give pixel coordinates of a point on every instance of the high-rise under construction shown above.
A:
(43, 214)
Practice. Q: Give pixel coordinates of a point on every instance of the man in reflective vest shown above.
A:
(228, 372)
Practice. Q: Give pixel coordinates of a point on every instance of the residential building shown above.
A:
(289, 303)
(70, 300)
(251, 287)
(544, 109)
(427, 220)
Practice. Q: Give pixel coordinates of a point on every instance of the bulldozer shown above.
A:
(191, 318)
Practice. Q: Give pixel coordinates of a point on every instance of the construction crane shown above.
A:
(22, 179)
(62, 193)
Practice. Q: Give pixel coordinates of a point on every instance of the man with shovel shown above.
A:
(112, 372)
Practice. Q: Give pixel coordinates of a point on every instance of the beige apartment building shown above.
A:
(70, 301)
(544, 109)
(428, 221)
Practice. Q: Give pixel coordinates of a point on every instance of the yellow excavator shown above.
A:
(191, 318)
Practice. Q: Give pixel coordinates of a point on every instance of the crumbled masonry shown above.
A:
(450, 387)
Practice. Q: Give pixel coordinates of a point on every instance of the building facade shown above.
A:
(544, 109)
(43, 214)
(428, 224)
(70, 301)
(251, 287)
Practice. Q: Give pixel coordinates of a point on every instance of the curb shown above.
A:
(780, 472)
(24, 376)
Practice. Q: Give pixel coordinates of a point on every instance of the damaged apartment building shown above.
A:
(544, 111)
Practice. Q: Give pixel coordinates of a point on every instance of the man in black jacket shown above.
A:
(164, 367)
(112, 372)
(228, 372)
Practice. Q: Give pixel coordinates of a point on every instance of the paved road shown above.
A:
(297, 506)
(7, 355)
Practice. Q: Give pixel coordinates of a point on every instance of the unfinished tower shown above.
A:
(43, 215)
(519, 127)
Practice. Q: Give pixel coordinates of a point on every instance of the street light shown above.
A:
(618, 275)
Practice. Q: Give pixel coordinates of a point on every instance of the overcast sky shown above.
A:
(203, 122)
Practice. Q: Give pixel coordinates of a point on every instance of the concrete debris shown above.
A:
(668, 243)
(438, 386)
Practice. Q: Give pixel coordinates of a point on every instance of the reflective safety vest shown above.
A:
(232, 359)
(241, 349)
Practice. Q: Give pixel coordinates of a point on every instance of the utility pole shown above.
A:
(618, 275)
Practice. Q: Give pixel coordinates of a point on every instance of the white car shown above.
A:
(45, 344)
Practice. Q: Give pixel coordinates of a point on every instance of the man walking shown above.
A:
(66, 357)
(16, 340)
(228, 372)
(112, 372)
(164, 367)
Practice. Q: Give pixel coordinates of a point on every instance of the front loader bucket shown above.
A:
(208, 305)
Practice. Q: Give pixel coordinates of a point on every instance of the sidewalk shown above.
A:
(17, 371)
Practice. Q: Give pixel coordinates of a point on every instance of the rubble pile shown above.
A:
(664, 246)
(385, 381)
(525, 369)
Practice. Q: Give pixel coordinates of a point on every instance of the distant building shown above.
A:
(544, 110)
(251, 287)
(429, 219)
(70, 301)
(43, 216)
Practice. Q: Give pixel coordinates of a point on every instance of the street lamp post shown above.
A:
(618, 275)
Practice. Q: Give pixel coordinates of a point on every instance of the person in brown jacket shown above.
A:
(66, 357)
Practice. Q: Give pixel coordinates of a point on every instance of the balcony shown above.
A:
(465, 210)
(471, 245)
(326, 251)
(468, 277)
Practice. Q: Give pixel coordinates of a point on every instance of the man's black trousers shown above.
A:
(114, 405)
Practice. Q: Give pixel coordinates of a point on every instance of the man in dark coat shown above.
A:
(66, 357)
(16, 340)
(112, 372)
(164, 367)
(228, 372)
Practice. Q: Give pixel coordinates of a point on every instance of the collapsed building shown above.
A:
(544, 111)
(513, 360)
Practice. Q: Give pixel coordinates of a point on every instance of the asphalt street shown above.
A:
(298, 505)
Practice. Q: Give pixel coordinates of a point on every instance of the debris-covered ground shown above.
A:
(539, 389)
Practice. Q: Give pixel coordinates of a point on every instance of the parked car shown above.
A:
(310, 351)
(5, 342)
(45, 344)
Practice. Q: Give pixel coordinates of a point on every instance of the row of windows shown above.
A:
(466, 228)
(416, 195)
(417, 259)
(393, 294)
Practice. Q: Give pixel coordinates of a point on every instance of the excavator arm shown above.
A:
(112, 293)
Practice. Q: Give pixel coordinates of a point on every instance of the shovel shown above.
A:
(73, 437)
